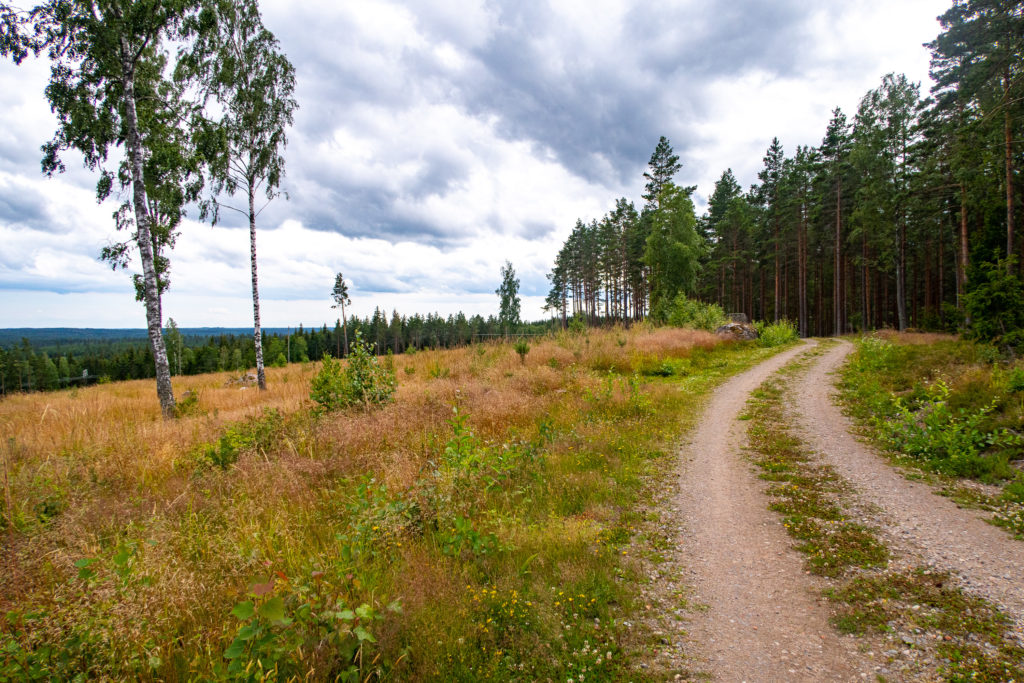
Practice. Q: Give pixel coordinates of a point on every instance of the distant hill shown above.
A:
(40, 337)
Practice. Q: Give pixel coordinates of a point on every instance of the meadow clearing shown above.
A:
(482, 525)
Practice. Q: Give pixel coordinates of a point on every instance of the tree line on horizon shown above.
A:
(903, 216)
(26, 367)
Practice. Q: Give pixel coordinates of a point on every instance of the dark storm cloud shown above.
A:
(598, 108)
(547, 88)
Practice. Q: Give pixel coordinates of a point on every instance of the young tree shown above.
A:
(175, 343)
(100, 51)
(508, 293)
(341, 299)
(673, 247)
(239, 64)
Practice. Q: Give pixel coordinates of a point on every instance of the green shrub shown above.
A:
(364, 380)
(522, 348)
(777, 334)
(577, 324)
(260, 433)
(188, 404)
(948, 441)
(1015, 381)
(684, 312)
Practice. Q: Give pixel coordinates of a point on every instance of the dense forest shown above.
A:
(903, 216)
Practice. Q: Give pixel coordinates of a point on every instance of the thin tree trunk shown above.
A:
(801, 284)
(778, 270)
(261, 377)
(864, 281)
(836, 279)
(1008, 138)
(942, 280)
(144, 238)
(964, 260)
(901, 278)
(344, 327)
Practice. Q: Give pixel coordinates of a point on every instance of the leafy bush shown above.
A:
(258, 434)
(282, 619)
(577, 324)
(776, 334)
(522, 348)
(364, 380)
(684, 312)
(188, 404)
(948, 441)
(1015, 381)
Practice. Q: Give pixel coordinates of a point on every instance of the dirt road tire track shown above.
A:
(765, 618)
(988, 561)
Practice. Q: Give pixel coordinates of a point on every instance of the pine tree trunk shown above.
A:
(836, 275)
(261, 377)
(864, 281)
(778, 282)
(801, 284)
(964, 260)
(901, 278)
(144, 238)
(344, 328)
(1008, 141)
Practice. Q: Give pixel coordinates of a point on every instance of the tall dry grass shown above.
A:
(93, 468)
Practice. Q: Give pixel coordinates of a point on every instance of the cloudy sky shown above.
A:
(436, 139)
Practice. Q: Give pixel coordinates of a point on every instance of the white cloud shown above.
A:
(435, 140)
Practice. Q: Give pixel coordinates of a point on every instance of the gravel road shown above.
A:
(933, 528)
(765, 618)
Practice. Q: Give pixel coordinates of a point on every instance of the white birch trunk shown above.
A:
(144, 238)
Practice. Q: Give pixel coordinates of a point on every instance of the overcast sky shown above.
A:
(437, 139)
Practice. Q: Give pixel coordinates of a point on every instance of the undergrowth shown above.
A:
(950, 408)
(967, 638)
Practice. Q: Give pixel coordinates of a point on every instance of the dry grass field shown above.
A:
(473, 528)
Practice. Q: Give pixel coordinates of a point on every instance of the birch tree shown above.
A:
(241, 66)
(101, 51)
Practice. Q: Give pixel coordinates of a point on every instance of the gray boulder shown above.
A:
(738, 331)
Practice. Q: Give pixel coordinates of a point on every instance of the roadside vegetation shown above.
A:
(948, 409)
(918, 617)
(474, 525)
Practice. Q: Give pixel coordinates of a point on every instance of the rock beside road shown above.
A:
(739, 331)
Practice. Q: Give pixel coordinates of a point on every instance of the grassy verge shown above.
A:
(946, 410)
(477, 528)
(920, 619)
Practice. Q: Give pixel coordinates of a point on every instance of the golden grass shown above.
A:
(95, 468)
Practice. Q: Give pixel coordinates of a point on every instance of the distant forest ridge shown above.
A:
(40, 337)
(39, 359)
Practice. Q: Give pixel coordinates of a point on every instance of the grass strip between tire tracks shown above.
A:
(923, 620)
